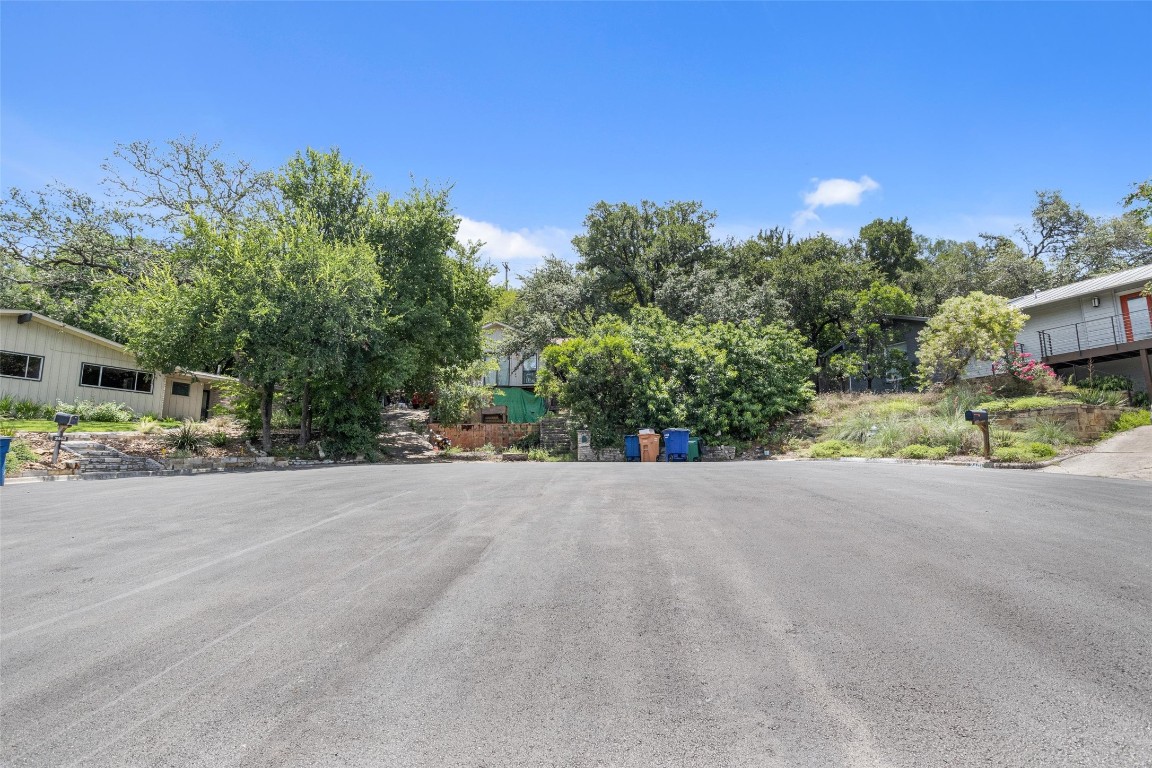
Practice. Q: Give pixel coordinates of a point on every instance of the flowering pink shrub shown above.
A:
(1020, 365)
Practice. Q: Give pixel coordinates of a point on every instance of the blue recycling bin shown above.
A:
(676, 445)
(631, 447)
(5, 443)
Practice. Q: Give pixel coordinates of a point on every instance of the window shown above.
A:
(182, 388)
(531, 363)
(107, 377)
(17, 365)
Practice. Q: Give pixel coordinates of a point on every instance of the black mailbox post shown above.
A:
(63, 421)
(979, 419)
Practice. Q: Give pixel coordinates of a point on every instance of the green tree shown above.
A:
(632, 250)
(334, 192)
(62, 250)
(967, 328)
(890, 246)
(817, 278)
(872, 337)
(1139, 205)
(283, 306)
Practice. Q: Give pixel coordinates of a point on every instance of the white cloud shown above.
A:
(829, 192)
(839, 192)
(523, 249)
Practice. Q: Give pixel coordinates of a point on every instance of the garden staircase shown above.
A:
(97, 461)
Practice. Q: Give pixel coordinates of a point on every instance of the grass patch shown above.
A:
(1129, 420)
(1022, 403)
(835, 449)
(918, 451)
(1025, 452)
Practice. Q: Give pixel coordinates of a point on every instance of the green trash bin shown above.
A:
(694, 449)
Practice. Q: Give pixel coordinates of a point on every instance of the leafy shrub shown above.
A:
(918, 451)
(1131, 420)
(187, 437)
(1050, 432)
(30, 409)
(1140, 400)
(1107, 397)
(719, 379)
(529, 441)
(7, 406)
(1022, 403)
(1021, 366)
(218, 439)
(834, 449)
(1025, 452)
(458, 393)
(90, 411)
(539, 454)
(19, 454)
(1111, 383)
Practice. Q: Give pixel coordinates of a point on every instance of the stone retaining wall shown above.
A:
(1086, 422)
(471, 436)
(718, 453)
(206, 464)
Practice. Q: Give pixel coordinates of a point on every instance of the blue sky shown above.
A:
(819, 116)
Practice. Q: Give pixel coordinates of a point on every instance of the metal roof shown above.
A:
(1085, 287)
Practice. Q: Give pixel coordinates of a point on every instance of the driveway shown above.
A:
(1127, 456)
(759, 614)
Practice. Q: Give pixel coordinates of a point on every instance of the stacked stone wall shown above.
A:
(1086, 422)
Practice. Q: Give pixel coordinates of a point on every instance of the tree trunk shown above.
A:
(305, 415)
(266, 396)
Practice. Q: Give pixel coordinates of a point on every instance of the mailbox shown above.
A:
(976, 417)
(66, 419)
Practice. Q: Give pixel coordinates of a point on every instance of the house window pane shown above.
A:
(90, 375)
(181, 388)
(143, 382)
(118, 378)
(19, 366)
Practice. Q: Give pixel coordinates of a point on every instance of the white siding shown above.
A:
(64, 353)
(511, 371)
(188, 407)
(1058, 319)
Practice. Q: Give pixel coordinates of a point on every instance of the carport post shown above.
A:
(1146, 368)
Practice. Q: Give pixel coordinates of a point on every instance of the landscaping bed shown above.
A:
(1025, 430)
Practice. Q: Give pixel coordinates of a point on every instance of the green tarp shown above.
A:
(523, 406)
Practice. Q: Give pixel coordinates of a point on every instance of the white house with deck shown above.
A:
(47, 361)
(512, 370)
(1103, 323)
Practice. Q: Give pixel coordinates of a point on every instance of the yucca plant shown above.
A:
(186, 437)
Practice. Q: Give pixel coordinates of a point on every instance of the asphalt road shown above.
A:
(762, 614)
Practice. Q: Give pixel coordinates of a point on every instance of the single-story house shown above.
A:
(1103, 323)
(47, 361)
(905, 331)
(513, 370)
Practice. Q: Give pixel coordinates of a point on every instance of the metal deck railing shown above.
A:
(1096, 334)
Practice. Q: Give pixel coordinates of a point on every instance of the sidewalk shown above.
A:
(1127, 456)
